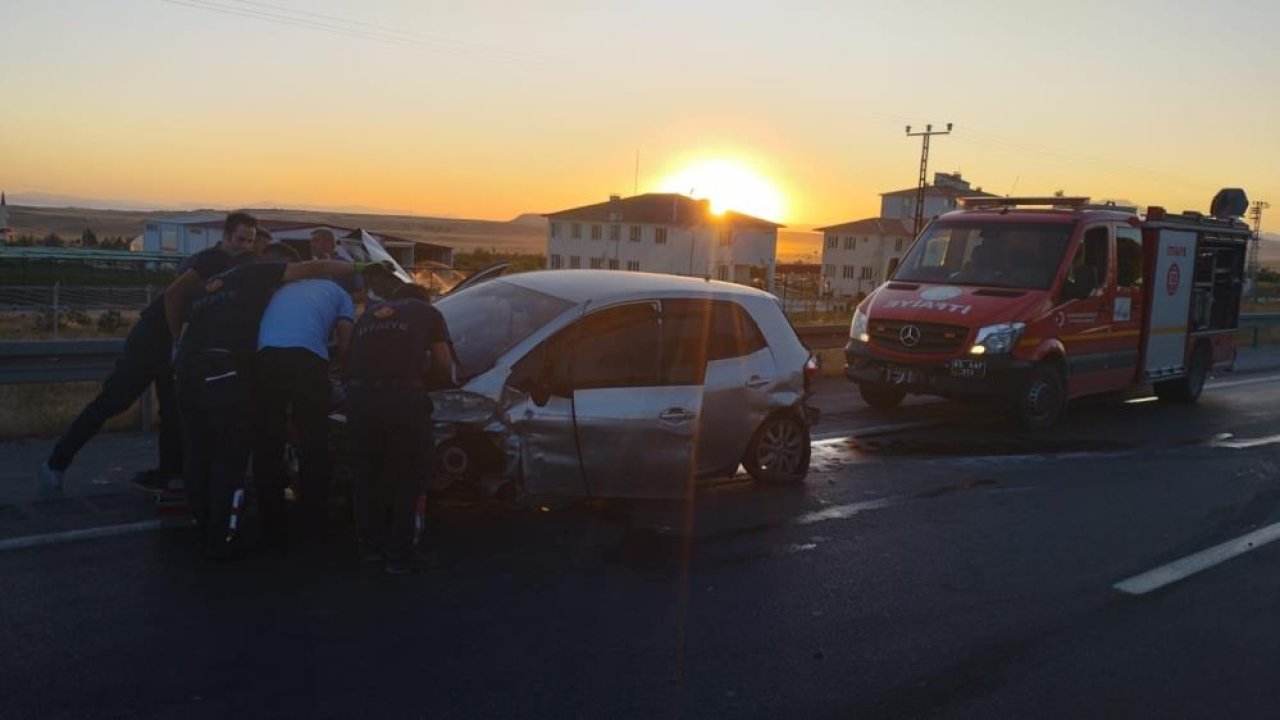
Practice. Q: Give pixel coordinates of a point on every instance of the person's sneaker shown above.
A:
(49, 481)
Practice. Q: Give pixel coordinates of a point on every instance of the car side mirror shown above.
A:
(1082, 286)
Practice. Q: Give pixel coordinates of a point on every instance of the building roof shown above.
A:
(658, 209)
(870, 226)
(939, 191)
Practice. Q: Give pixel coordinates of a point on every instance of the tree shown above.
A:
(88, 238)
(53, 240)
(1267, 275)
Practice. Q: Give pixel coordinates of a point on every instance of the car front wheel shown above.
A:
(779, 451)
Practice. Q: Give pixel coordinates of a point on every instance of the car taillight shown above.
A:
(812, 367)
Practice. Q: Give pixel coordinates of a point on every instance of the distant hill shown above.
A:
(463, 235)
(531, 220)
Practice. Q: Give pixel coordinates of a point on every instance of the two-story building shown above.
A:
(664, 233)
(859, 255)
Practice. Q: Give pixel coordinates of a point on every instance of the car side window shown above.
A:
(617, 347)
(1128, 257)
(1094, 252)
(733, 332)
(686, 331)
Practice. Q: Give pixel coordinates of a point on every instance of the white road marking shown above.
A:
(1239, 383)
(30, 541)
(1243, 443)
(1199, 562)
(844, 512)
(835, 437)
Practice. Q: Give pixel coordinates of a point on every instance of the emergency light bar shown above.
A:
(971, 203)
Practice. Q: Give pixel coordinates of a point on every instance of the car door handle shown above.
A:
(676, 415)
(757, 382)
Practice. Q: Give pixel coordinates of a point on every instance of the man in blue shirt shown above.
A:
(292, 380)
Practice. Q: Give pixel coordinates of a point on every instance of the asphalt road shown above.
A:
(949, 568)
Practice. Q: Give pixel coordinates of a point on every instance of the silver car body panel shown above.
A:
(737, 395)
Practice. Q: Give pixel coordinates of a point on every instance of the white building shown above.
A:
(188, 234)
(857, 256)
(664, 233)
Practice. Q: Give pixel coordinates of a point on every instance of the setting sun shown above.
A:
(729, 186)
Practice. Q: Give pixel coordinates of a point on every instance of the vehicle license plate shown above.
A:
(900, 376)
(966, 368)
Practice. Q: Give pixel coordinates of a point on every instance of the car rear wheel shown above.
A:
(779, 451)
(1042, 398)
(1187, 389)
(880, 397)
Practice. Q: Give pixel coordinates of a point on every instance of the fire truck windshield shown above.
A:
(991, 254)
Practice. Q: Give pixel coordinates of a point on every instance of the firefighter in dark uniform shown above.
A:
(214, 387)
(146, 360)
(400, 351)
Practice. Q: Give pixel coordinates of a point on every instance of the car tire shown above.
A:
(880, 397)
(1187, 389)
(1041, 399)
(779, 450)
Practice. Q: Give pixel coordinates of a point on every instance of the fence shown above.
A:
(58, 297)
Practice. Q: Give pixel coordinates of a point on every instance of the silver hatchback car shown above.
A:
(597, 383)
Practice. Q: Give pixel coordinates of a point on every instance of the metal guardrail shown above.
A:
(823, 337)
(60, 361)
(1255, 322)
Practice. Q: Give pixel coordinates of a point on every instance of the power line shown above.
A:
(354, 29)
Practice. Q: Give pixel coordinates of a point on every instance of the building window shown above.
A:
(722, 272)
(660, 236)
(555, 229)
(596, 234)
(725, 236)
(575, 262)
(615, 232)
(613, 263)
(597, 263)
(848, 243)
(897, 245)
(633, 265)
(829, 270)
(636, 230)
(575, 232)
(868, 273)
(848, 272)
(556, 262)
(833, 242)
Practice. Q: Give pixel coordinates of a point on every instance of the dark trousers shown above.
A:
(213, 393)
(391, 444)
(292, 382)
(145, 362)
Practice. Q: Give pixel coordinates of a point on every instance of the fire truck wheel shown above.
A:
(1187, 389)
(1042, 398)
(880, 397)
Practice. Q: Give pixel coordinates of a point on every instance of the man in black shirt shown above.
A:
(214, 385)
(146, 360)
(399, 351)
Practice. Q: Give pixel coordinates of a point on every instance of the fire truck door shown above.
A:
(1127, 310)
(1086, 321)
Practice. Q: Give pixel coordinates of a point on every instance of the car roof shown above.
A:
(580, 286)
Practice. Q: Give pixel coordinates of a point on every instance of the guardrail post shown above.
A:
(57, 312)
(1257, 331)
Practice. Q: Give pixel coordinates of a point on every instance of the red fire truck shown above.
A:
(1037, 301)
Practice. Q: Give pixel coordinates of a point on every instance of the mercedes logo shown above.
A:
(909, 335)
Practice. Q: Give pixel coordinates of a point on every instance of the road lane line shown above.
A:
(844, 512)
(1238, 383)
(835, 437)
(31, 541)
(1199, 562)
(1242, 444)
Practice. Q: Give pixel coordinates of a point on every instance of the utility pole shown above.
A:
(1255, 214)
(924, 170)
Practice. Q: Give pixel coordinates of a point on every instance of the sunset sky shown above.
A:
(488, 108)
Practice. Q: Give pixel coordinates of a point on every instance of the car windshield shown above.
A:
(489, 319)
(990, 254)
